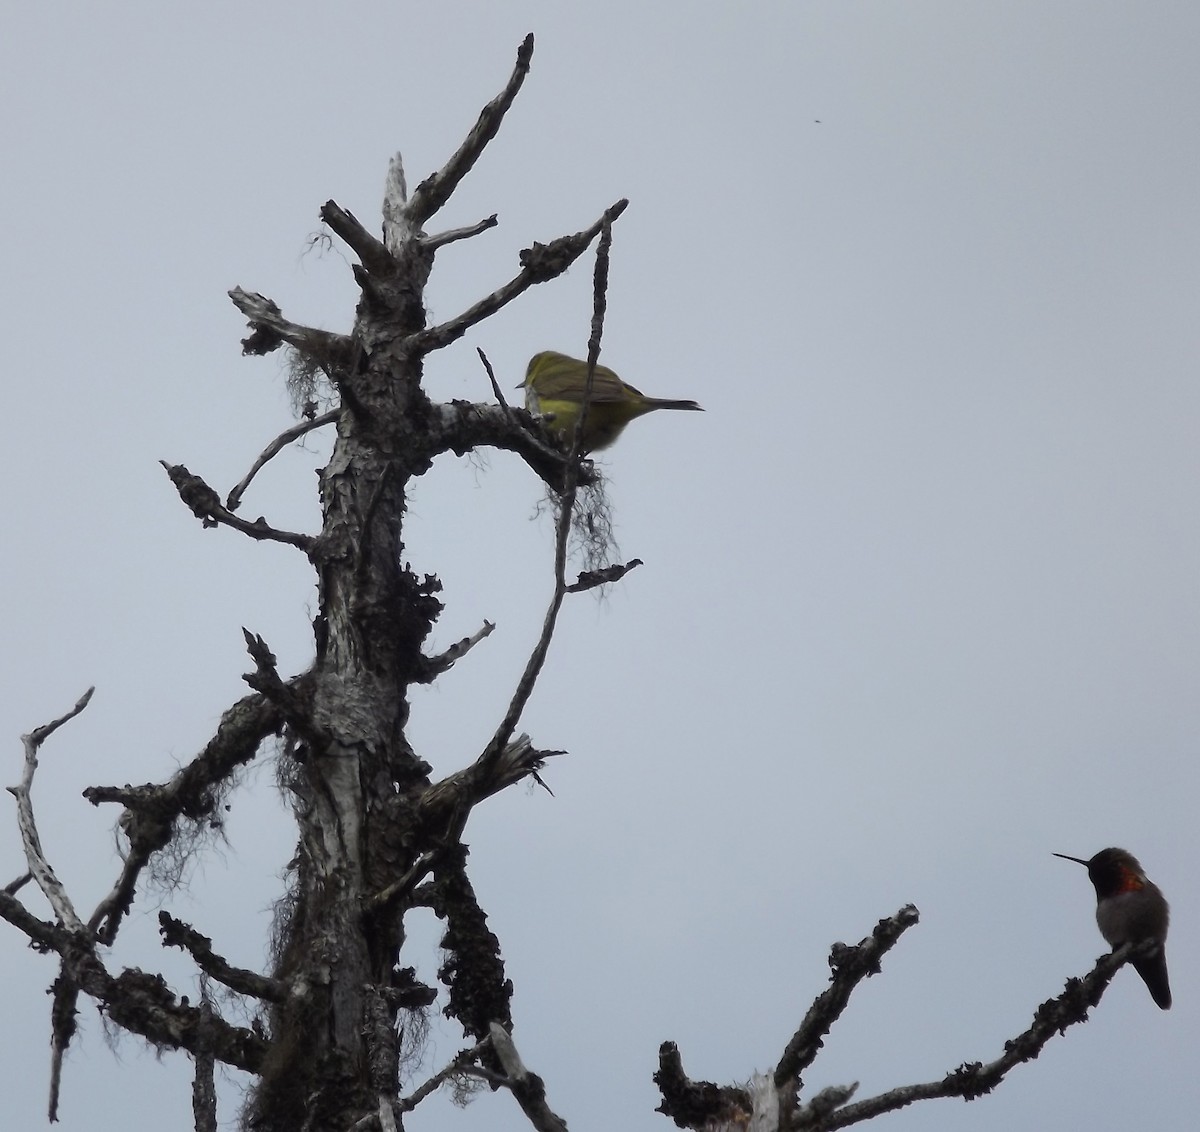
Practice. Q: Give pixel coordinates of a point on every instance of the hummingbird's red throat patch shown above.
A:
(1131, 881)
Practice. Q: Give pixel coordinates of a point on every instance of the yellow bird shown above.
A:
(554, 388)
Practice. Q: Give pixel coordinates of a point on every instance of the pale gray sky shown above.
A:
(921, 601)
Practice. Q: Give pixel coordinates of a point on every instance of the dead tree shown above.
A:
(377, 835)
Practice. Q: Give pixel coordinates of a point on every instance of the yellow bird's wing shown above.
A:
(557, 377)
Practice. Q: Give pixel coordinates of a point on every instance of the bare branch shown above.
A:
(234, 498)
(444, 661)
(206, 505)
(590, 579)
(15, 886)
(461, 426)
(265, 679)
(528, 1088)
(850, 965)
(703, 1105)
(52, 888)
(432, 243)
(374, 256)
(272, 330)
(437, 188)
(696, 1104)
(39, 735)
(105, 921)
(175, 933)
(43, 935)
(540, 263)
(827, 1101)
(446, 804)
(399, 889)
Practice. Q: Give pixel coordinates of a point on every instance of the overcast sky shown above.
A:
(921, 594)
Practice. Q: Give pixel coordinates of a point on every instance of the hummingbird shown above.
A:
(1131, 909)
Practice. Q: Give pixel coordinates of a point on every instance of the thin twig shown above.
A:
(562, 529)
(234, 498)
(432, 243)
(599, 305)
(492, 378)
(461, 1060)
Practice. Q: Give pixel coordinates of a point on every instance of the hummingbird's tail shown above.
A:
(1153, 969)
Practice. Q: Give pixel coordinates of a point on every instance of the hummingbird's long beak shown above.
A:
(1077, 860)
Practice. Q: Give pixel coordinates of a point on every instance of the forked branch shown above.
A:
(773, 1102)
(151, 811)
(972, 1080)
(137, 1002)
(539, 264)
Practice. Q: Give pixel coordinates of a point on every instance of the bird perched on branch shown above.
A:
(1131, 909)
(554, 390)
